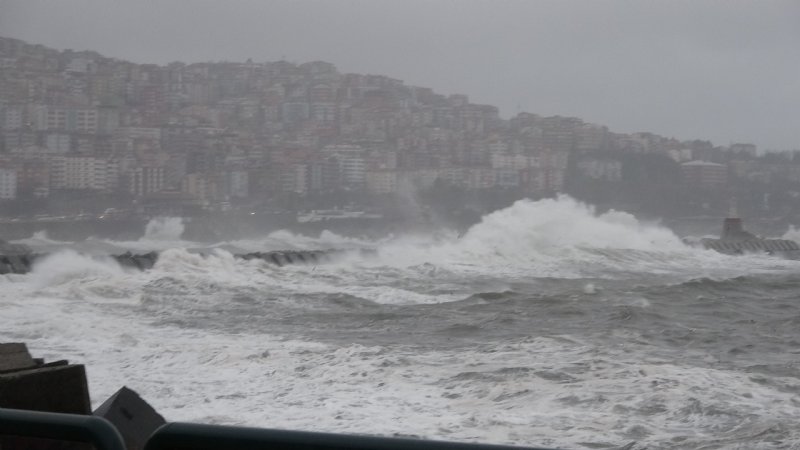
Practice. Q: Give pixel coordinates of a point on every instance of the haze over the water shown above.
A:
(724, 71)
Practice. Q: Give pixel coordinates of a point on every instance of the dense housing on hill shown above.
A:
(211, 134)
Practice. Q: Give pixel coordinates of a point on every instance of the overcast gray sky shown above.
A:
(725, 70)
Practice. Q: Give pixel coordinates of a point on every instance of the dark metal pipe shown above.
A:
(65, 427)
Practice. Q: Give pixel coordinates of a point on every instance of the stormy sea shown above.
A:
(546, 324)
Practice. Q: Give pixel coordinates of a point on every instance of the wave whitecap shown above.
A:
(563, 237)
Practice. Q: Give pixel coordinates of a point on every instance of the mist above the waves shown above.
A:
(164, 229)
(160, 233)
(792, 234)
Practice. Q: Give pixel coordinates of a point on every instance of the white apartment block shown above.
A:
(85, 120)
(66, 119)
(353, 170)
(8, 184)
(145, 180)
(52, 118)
(58, 142)
(238, 183)
(324, 112)
(11, 118)
(351, 162)
(382, 181)
(516, 162)
(138, 133)
(200, 186)
(83, 172)
(295, 179)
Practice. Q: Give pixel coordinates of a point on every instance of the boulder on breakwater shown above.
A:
(284, 257)
(15, 258)
(142, 261)
(16, 263)
(23, 262)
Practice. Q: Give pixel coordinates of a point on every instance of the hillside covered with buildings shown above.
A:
(83, 131)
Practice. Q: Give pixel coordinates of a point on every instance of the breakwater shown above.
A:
(21, 263)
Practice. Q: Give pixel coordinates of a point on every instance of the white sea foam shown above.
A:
(559, 238)
(564, 238)
(556, 391)
(792, 234)
(539, 391)
(40, 242)
(160, 233)
(67, 265)
(287, 240)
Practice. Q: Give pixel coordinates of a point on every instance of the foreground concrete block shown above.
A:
(134, 418)
(15, 356)
(59, 388)
(28, 383)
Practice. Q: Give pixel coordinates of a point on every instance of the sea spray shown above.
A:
(562, 238)
(160, 233)
(792, 234)
(164, 229)
(70, 272)
(537, 233)
(553, 224)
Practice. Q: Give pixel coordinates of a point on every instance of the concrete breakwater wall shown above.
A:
(738, 247)
(31, 384)
(22, 263)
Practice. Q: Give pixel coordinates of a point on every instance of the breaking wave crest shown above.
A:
(559, 238)
(288, 240)
(563, 237)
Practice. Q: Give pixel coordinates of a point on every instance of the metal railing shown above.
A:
(63, 427)
(183, 436)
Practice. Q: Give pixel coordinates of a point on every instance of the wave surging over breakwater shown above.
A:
(566, 239)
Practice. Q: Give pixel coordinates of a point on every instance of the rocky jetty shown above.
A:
(734, 240)
(21, 259)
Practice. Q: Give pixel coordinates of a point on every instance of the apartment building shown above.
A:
(705, 174)
(83, 120)
(83, 172)
(382, 181)
(8, 184)
(142, 181)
